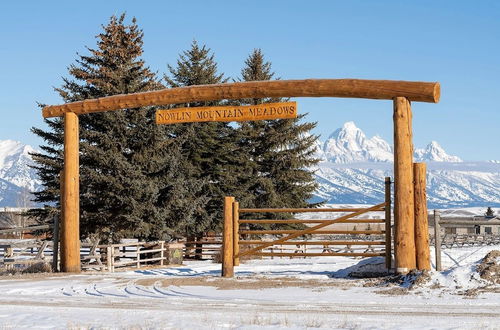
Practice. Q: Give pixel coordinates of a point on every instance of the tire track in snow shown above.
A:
(393, 310)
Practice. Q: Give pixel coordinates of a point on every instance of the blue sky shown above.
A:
(454, 42)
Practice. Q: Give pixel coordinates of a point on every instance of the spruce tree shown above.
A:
(282, 150)
(127, 161)
(207, 147)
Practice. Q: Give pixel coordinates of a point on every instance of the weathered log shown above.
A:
(70, 242)
(304, 210)
(423, 257)
(437, 239)
(227, 246)
(236, 235)
(319, 254)
(404, 216)
(293, 221)
(256, 242)
(388, 229)
(352, 88)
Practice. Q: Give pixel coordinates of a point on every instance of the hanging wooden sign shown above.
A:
(282, 110)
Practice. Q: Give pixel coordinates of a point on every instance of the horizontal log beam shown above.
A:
(318, 242)
(309, 210)
(315, 232)
(284, 222)
(350, 88)
(325, 254)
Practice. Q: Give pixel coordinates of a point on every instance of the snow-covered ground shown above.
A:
(275, 294)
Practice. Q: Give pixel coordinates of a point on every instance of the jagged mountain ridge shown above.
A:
(448, 185)
(355, 176)
(353, 168)
(16, 176)
(349, 144)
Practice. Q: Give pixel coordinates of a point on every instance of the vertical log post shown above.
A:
(388, 231)
(55, 246)
(109, 258)
(236, 235)
(70, 243)
(403, 187)
(61, 221)
(162, 253)
(437, 239)
(138, 260)
(423, 257)
(227, 246)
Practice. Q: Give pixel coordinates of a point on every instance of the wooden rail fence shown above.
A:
(455, 222)
(19, 254)
(206, 247)
(240, 242)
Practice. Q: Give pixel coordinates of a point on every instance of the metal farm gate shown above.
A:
(241, 237)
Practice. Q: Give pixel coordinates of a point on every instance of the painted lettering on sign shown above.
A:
(264, 111)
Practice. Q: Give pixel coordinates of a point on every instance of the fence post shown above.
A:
(437, 239)
(70, 234)
(227, 246)
(109, 261)
(138, 260)
(404, 213)
(236, 235)
(162, 253)
(421, 218)
(55, 247)
(61, 218)
(388, 230)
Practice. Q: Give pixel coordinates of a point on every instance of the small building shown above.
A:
(463, 225)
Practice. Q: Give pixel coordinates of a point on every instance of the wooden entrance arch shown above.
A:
(401, 92)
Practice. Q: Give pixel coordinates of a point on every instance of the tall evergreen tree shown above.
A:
(127, 160)
(207, 147)
(281, 149)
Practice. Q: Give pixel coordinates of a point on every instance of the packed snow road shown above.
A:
(277, 294)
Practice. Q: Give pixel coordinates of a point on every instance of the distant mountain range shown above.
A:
(351, 171)
(17, 179)
(349, 144)
(353, 167)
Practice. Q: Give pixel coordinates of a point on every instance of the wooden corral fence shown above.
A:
(22, 231)
(460, 240)
(466, 240)
(240, 242)
(205, 247)
(22, 253)
(142, 254)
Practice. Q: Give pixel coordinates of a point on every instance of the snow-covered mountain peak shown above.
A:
(348, 132)
(10, 148)
(435, 153)
(350, 144)
(15, 164)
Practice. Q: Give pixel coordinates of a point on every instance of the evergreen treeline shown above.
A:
(149, 181)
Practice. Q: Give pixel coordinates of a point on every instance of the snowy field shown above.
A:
(312, 293)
